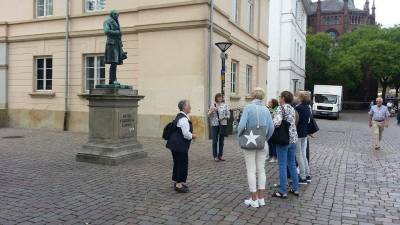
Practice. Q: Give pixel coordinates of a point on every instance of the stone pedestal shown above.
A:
(112, 127)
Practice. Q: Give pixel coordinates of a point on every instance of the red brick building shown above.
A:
(337, 17)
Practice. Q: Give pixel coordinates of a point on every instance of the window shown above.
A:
(301, 55)
(298, 52)
(295, 51)
(333, 34)
(235, 11)
(44, 74)
(44, 8)
(250, 15)
(95, 5)
(95, 71)
(234, 72)
(249, 78)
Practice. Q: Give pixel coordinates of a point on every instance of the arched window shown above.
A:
(333, 33)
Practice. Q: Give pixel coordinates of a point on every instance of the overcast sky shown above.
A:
(387, 11)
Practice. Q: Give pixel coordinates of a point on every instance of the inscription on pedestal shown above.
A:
(126, 125)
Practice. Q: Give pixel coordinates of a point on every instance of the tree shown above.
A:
(318, 52)
(369, 53)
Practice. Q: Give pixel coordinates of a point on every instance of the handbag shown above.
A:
(253, 138)
(221, 128)
(281, 134)
(312, 126)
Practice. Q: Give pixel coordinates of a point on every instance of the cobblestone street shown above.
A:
(41, 183)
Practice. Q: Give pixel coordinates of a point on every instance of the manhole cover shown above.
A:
(12, 137)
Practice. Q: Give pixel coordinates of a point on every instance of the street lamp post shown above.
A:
(223, 46)
(295, 81)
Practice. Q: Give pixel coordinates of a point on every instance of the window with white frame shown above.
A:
(94, 71)
(298, 52)
(235, 11)
(44, 74)
(44, 8)
(234, 76)
(250, 15)
(295, 51)
(249, 78)
(95, 5)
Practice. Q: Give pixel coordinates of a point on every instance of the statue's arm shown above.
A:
(108, 30)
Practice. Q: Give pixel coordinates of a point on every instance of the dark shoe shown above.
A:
(183, 189)
(279, 195)
(303, 181)
(221, 159)
(308, 178)
(295, 193)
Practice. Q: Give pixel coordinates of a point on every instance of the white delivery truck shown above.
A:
(327, 100)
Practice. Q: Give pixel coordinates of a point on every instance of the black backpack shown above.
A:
(168, 130)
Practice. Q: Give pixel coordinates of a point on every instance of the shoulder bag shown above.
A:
(281, 134)
(253, 138)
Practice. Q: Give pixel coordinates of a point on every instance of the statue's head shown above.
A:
(114, 14)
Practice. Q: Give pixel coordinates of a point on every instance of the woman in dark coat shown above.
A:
(179, 143)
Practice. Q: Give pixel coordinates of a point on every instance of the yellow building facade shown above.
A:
(51, 55)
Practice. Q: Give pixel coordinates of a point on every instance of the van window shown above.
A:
(326, 99)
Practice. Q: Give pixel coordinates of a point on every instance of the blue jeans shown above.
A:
(218, 141)
(287, 159)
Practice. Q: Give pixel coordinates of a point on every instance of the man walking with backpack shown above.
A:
(180, 135)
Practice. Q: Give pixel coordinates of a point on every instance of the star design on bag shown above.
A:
(251, 138)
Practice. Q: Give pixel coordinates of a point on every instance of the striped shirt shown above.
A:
(379, 113)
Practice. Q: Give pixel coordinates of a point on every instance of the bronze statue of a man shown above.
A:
(114, 55)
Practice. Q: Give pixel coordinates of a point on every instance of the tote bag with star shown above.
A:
(253, 138)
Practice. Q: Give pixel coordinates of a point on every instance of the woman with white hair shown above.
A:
(255, 116)
(179, 143)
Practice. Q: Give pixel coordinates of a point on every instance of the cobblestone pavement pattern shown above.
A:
(40, 182)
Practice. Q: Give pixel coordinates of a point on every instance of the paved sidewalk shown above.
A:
(40, 182)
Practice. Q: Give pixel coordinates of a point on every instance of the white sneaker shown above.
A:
(272, 160)
(261, 202)
(250, 202)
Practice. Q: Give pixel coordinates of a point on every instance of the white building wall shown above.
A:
(286, 70)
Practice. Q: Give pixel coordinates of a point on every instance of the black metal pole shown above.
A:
(223, 77)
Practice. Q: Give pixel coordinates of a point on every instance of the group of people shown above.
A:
(292, 158)
(296, 112)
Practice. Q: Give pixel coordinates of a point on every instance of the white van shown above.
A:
(327, 100)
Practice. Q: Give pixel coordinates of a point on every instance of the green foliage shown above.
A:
(367, 51)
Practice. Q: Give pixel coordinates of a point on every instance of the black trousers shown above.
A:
(181, 163)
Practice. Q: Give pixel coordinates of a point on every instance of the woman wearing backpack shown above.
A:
(287, 153)
(219, 115)
(179, 143)
(255, 127)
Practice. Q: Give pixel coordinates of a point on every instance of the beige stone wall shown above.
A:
(167, 45)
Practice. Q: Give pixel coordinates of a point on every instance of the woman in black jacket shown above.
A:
(179, 143)
(303, 110)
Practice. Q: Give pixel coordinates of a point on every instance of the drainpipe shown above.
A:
(66, 84)
(210, 46)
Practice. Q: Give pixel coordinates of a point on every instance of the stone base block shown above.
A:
(110, 154)
(3, 117)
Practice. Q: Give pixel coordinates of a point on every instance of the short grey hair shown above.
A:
(182, 104)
